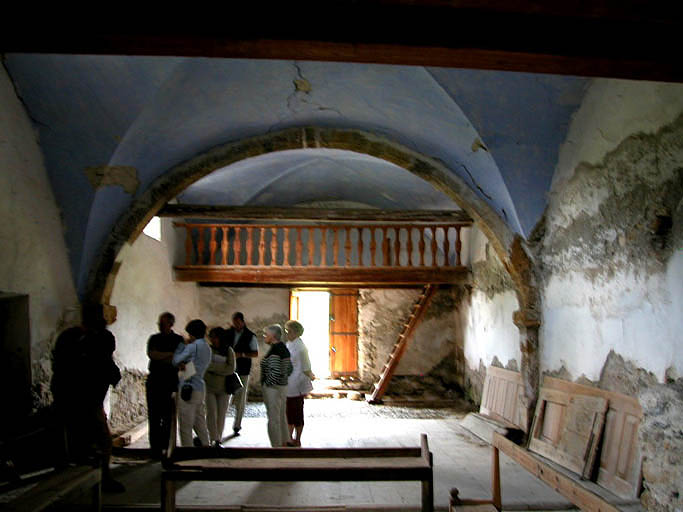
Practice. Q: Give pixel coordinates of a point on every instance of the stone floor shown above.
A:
(459, 460)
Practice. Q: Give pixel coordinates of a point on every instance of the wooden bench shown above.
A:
(57, 486)
(298, 464)
(608, 436)
(186, 464)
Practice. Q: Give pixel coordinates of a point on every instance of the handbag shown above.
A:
(186, 392)
(232, 383)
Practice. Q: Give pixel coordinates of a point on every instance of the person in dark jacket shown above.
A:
(162, 382)
(245, 345)
(83, 369)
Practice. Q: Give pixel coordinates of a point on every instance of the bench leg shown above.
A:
(167, 494)
(428, 495)
(97, 497)
(495, 479)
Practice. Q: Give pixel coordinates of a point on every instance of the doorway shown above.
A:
(330, 320)
(312, 309)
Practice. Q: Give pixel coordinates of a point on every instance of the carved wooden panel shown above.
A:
(502, 397)
(567, 429)
(620, 457)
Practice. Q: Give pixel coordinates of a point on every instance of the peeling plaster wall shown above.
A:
(611, 264)
(144, 288)
(32, 249)
(261, 307)
(611, 269)
(490, 336)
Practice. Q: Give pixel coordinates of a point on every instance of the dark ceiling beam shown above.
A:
(625, 39)
(342, 215)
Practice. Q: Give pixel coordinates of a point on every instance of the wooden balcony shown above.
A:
(323, 255)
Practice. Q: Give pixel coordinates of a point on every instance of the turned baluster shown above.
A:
(224, 246)
(323, 247)
(397, 247)
(373, 246)
(189, 246)
(335, 246)
(200, 247)
(385, 246)
(212, 245)
(298, 248)
(410, 247)
(285, 247)
(347, 246)
(434, 247)
(458, 246)
(446, 246)
(361, 246)
(261, 246)
(311, 246)
(421, 246)
(237, 246)
(273, 246)
(249, 244)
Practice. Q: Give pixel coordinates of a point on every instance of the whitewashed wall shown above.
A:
(32, 250)
(605, 287)
(145, 288)
(487, 319)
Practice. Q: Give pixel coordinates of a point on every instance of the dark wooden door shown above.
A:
(343, 332)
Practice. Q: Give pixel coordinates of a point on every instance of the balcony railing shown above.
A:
(226, 252)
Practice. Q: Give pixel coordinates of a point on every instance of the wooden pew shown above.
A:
(299, 464)
(296, 464)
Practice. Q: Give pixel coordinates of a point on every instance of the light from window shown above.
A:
(153, 228)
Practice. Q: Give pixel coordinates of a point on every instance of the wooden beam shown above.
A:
(324, 276)
(628, 39)
(328, 215)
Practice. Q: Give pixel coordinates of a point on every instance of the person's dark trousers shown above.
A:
(159, 409)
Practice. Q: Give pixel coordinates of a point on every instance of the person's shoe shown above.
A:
(217, 444)
(197, 442)
(110, 485)
(236, 431)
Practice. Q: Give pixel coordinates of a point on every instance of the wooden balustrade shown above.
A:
(363, 246)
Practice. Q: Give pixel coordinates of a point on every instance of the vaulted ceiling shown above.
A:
(500, 132)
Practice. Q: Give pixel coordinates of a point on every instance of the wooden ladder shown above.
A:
(416, 314)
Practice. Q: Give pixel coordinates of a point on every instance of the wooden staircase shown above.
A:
(417, 313)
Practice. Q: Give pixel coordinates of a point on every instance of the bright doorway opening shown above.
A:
(312, 309)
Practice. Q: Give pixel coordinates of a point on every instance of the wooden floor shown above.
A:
(459, 459)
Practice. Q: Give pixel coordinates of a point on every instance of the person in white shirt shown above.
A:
(299, 384)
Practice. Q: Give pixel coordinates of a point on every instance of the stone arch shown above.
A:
(509, 246)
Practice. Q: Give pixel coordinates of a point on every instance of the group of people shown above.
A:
(201, 372)
(202, 368)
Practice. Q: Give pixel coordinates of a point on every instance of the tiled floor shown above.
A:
(460, 460)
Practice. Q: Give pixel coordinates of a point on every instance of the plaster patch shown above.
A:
(661, 439)
(128, 401)
(489, 276)
(122, 175)
(610, 215)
